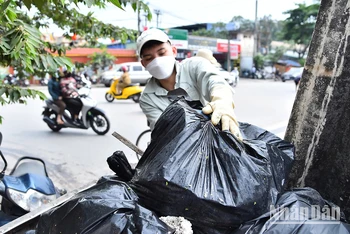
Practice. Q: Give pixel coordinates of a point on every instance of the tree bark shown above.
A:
(319, 125)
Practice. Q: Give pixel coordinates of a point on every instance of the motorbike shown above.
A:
(10, 79)
(133, 91)
(91, 116)
(44, 81)
(26, 188)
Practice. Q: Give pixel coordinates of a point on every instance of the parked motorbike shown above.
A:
(44, 81)
(26, 188)
(133, 91)
(10, 79)
(91, 116)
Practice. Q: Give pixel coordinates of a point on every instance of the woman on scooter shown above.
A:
(71, 96)
(124, 80)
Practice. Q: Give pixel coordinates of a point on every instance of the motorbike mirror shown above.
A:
(2, 173)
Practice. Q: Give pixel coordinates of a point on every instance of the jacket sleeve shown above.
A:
(206, 76)
(51, 91)
(151, 111)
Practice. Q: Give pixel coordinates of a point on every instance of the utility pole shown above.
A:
(157, 12)
(145, 15)
(228, 52)
(256, 48)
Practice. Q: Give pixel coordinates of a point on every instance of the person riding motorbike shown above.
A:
(56, 94)
(124, 80)
(196, 75)
(70, 95)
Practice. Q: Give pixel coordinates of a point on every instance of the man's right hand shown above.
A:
(221, 109)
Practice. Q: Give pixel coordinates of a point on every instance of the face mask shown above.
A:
(161, 67)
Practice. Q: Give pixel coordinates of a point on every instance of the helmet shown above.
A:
(125, 68)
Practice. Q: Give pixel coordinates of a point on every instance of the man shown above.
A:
(196, 75)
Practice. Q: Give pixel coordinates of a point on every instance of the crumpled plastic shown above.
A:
(110, 206)
(301, 210)
(193, 169)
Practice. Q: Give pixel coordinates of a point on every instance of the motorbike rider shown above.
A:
(124, 80)
(196, 75)
(71, 96)
(56, 94)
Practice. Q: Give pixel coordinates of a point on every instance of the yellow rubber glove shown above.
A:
(221, 108)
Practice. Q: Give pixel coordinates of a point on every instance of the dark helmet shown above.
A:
(125, 68)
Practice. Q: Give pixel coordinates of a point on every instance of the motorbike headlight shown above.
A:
(30, 200)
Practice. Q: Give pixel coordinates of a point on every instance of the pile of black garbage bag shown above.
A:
(194, 170)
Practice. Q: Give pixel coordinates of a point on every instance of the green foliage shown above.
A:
(268, 30)
(302, 61)
(259, 61)
(277, 55)
(299, 26)
(246, 25)
(218, 31)
(100, 60)
(22, 48)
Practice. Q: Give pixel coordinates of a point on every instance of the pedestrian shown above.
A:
(196, 75)
(56, 94)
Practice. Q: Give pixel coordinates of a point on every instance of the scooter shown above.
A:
(26, 188)
(91, 116)
(133, 91)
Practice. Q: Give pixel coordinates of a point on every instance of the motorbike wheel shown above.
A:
(136, 98)
(53, 116)
(109, 97)
(99, 123)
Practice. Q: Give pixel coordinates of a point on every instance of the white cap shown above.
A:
(150, 35)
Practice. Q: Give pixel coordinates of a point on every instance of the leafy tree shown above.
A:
(21, 45)
(100, 60)
(218, 30)
(277, 55)
(245, 25)
(259, 61)
(299, 26)
(267, 32)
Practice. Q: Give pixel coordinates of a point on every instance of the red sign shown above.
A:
(235, 49)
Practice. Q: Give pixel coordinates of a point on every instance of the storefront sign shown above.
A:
(235, 48)
(178, 37)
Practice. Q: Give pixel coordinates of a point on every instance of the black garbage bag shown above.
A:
(194, 170)
(120, 165)
(301, 211)
(110, 206)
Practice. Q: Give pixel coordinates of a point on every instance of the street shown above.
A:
(76, 157)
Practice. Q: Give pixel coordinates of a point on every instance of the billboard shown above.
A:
(235, 47)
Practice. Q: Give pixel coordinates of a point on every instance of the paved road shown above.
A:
(77, 157)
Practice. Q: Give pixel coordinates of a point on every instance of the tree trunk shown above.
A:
(319, 125)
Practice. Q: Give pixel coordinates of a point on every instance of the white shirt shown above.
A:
(196, 75)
